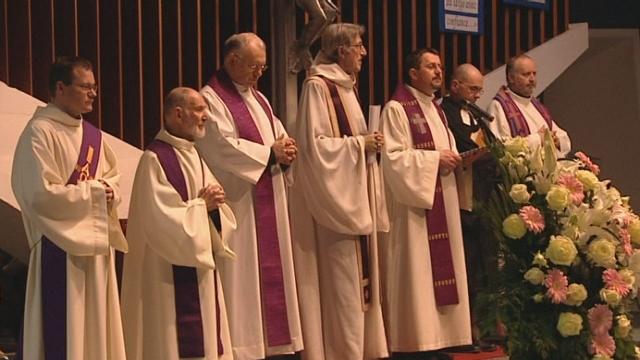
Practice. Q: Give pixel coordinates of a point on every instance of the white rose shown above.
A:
(576, 294)
(588, 179)
(569, 324)
(634, 230)
(519, 193)
(623, 326)
(611, 297)
(561, 250)
(634, 262)
(557, 197)
(602, 252)
(534, 276)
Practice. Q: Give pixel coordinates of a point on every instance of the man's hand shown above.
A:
(373, 142)
(554, 137)
(213, 196)
(108, 191)
(449, 160)
(285, 150)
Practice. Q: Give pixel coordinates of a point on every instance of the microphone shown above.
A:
(476, 111)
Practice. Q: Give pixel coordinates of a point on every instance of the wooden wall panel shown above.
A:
(152, 69)
(65, 27)
(143, 48)
(88, 44)
(133, 115)
(19, 45)
(110, 77)
(4, 36)
(42, 52)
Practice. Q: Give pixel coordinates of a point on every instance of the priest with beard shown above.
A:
(172, 301)
(425, 298)
(518, 113)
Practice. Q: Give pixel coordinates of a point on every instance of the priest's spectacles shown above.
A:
(88, 87)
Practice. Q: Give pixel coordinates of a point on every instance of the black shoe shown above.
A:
(473, 348)
(486, 346)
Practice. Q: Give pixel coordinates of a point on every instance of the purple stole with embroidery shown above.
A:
(185, 278)
(517, 123)
(53, 270)
(444, 277)
(274, 304)
(363, 244)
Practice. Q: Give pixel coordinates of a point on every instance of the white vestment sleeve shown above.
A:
(410, 174)
(500, 127)
(74, 217)
(563, 138)
(336, 168)
(243, 158)
(176, 230)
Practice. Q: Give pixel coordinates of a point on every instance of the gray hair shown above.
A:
(238, 41)
(178, 97)
(337, 35)
(511, 64)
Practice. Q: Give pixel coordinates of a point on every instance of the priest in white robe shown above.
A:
(426, 302)
(249, 151)
(337, 208)
(172, 301)
(65, 179)
(518, 113)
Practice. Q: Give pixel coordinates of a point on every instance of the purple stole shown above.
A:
(53, 271)
(274, 304)
(444, 277)
(517, 123)
(185, 278)
(363, 243)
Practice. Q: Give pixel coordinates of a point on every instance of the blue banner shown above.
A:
(538, 4)
(461, 16)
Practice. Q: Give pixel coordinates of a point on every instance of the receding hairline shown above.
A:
(514, 61)
(179, 96)
(464, 72)
(240, 41)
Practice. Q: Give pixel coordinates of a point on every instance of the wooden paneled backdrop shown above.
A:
(143, 48)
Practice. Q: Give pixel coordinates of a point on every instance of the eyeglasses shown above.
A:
(87, 87)
(474, 89)
(254, 67)
(433, 66)
(359, 46)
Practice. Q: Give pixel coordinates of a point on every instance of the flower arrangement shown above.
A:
(568, 256)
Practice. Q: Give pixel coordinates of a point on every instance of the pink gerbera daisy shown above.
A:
(557, 286)
(615, 282)
(600, 319)
(575, 187)
(625, 238)
(603, 344)
(588, 163)
(532, 218)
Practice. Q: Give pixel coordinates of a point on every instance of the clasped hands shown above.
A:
(554, 137)
(213, 196)
(108, 190)
(373, 142)
(285, 149)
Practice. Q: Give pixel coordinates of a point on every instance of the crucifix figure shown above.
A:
(321, 13)
(421, 122)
